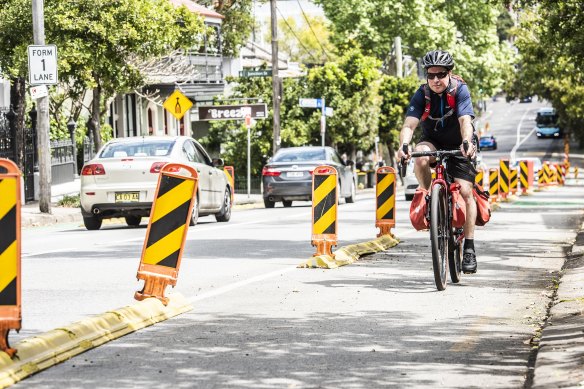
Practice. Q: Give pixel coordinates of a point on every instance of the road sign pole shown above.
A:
(248, 125)
(322, 121)
(43, 147)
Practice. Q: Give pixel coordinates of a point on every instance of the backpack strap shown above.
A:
(450, 97)
(427, 97)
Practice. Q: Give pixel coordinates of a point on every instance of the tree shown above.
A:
(395, 94)
(307, 42)
(466, 28)
(237, 25)
(552, 50)
(97, 43)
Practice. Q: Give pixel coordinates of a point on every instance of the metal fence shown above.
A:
(255, 185)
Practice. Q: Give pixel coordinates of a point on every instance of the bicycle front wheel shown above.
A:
(439, 234)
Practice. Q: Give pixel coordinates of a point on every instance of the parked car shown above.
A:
(121, 180)
(526, 99)
(288, 175)
(410, 181)
(488, 142)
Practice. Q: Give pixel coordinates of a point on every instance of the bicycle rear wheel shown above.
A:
(439, 235)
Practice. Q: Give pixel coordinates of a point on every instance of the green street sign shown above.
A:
(255, 73)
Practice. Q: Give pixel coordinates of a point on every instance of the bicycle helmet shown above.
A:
(438, 58)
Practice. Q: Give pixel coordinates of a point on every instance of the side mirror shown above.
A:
(218, 162)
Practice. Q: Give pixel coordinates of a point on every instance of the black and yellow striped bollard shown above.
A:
(548, 174)
(230, 173)
(10, 298)
(324, 209)
(480, 177)
(494, 184)
(526, 175)
(385, 195)
(167, 230)
(559, 174)
(504, 178)
(513, 181)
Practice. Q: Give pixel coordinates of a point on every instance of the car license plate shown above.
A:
(295, 174)
(127, 197)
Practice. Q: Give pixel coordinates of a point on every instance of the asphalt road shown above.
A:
(260, 322)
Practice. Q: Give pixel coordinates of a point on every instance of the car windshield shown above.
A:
(486, 138)
(299, 155)
(546, 120)
(139, 148)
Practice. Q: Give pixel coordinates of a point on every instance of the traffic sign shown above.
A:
(177, 104)
(42, 65)
(310, 103)
(36, 92)
(233, 112)
(255, 73)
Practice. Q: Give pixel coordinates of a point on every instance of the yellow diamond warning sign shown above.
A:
(177, 104)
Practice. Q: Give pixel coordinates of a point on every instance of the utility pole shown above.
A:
(398, 57)
(276, 92)
(43, 147)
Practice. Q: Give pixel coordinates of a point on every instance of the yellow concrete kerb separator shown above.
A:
(58, 345)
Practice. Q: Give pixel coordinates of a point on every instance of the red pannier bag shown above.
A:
(458, 206)
(419, 210)
(483, 205)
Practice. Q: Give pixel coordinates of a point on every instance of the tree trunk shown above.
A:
(95, 120)
(18, 103)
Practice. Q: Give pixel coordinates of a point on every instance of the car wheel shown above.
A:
(409, 197)
(195, 212)
(92, 222)
(133, 221)
(287, 203)
(225, 214)
(269, 203)
(351, 198)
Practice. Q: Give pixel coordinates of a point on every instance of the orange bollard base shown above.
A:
(324, 247)
(154, 286)
(384, 229)
(4, 345)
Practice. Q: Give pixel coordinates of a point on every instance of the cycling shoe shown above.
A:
(469, 263)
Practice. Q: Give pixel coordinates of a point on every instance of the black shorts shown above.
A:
(458, 166)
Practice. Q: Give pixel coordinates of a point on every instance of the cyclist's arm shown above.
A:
(466, 131)
(407, 132)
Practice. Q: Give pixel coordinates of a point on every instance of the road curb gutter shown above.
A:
(43, 351)
(349, 254)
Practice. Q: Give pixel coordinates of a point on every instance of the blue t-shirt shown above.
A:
(444, 133)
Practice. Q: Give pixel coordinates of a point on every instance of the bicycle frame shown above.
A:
(442, 234)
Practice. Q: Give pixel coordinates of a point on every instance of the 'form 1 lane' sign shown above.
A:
(42, 65)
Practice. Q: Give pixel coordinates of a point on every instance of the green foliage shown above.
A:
(301, 44)
(551, 66)
(350, 86)
(396, 94)
(467, 28)
(237, 25)
(70, 201)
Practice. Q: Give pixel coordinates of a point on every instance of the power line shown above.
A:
(295, 36)
(313, 33)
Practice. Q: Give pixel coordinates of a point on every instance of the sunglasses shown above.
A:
(440, 75)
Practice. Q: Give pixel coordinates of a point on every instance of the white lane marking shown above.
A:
(239, 284)
(519, 142)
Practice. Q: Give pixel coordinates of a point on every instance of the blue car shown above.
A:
(488, 142)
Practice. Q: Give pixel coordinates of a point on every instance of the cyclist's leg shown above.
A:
(422, 164)
(464, 173)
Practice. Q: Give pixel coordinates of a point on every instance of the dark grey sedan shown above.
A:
(288, 175)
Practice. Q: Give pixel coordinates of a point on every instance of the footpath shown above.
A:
(560, 358)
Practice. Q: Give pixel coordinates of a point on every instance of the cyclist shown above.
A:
(444, 127)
